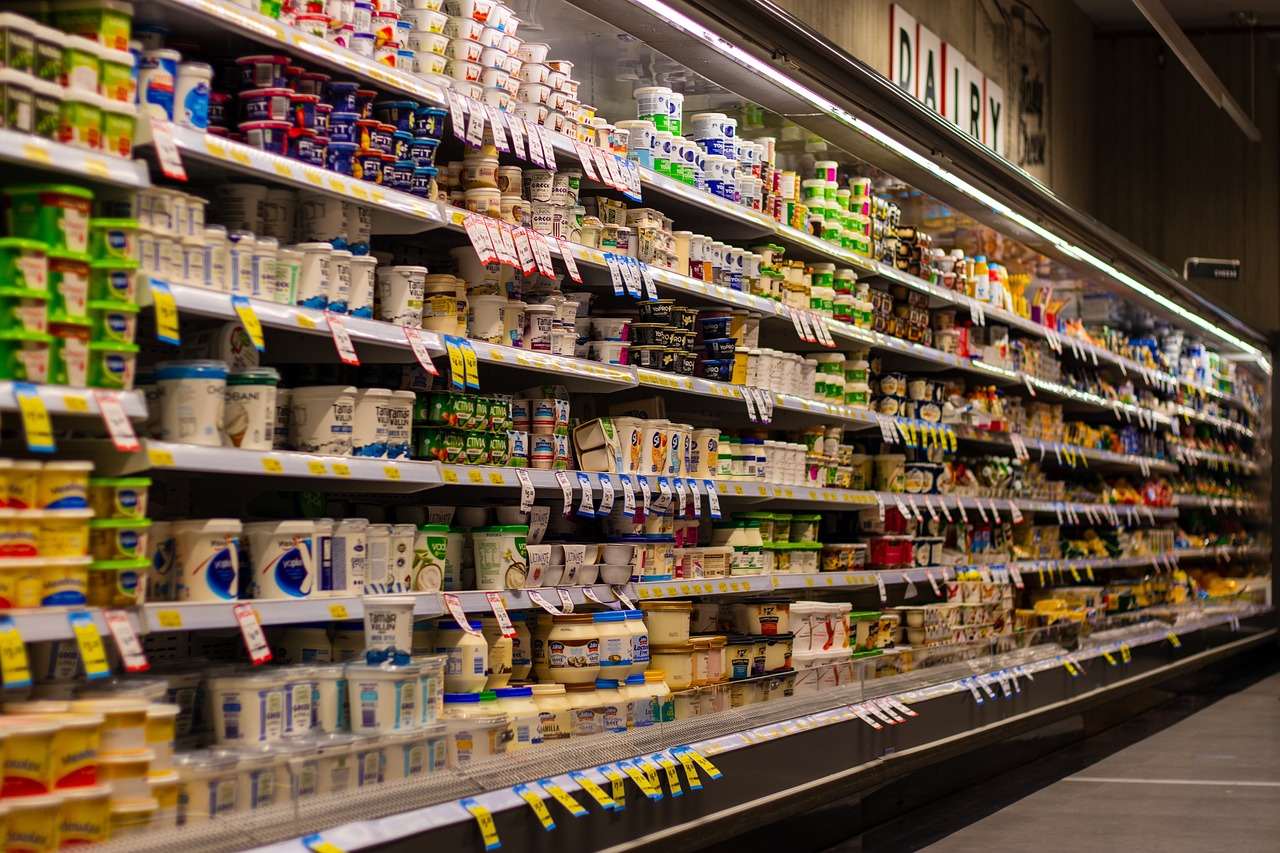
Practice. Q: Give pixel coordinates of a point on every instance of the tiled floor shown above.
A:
(1209, 781)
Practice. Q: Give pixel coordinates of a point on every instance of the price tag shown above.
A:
(563, 798)
(682, 500)
(824, 334)
(879, 506)
(977, 502)
(964, 516)
(933, 582)
(899, 707)
(251, 630)
(252, 326)
(478, 234)
(595, 791)
(631, 179)
(539, 807)
(995, 513)
(548, 149)
(585, 158)
(342, 339)
(644, 496)
(631, 275)
(673, 778)
(316, 844)
(475, 124)
(690, 771)
(607, 171)
(457, 367)
(454, 605)
(806, 328)
(615, 273)
(606, 495)
(542, 253)
(166, 312)
(471, 367)
(650, 289)
(502, 243)
(570, 262)
(484, 820)
(628, 496)
(500, 614)
(928, 505)
(887, 430)
(695, 497)
(794, 314)
(420, 351)
(641, 779)
(526, 490)
(524, 251)
(127, 642)
(117, 422)
(457, 113)
(14, 666)
(585, 507)
(884, 595)
(865, 717)
(536, 154)
(617, 782)
(713, 499)
(1017, 577)
(499, 127)
(515, 128)
(566, 491)
(884, 705)
(36, 425)
(167, 149)
(1173, 639)
(664, 496)
(749, 399)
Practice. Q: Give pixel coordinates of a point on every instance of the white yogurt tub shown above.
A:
(388, 621)
(192, 395)
(383, 699)
(208, 786)
(400, 291)
(320, 419)
(407, 754)
(336, 763)
(247, 708)
(283, 564)
(371, 421)
(208, 559)
(330, 700)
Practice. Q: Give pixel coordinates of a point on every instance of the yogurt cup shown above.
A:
(388, 621)
(208, 559)
(282, 559)
(250, 407)
(192, 396)
(383, 699)
(250, 708)
(321, 419)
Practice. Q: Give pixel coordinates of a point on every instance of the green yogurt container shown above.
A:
(81, 65)
(113, 239)
(80, 122)
(108, 22)
(69, 275)
(17, 43)
(55, 214)
(25, 356)
(17, 108)
(69, 357)
(114, 280)
(118, 122)
(49, 65)
(23, 264)
(115, 72)
(113, 321)
(24, 310)
(112, 365)
(46, 109)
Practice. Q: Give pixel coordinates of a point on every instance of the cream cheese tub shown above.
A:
(472, 732)
(320, 419)
(667, 621)
(85, 815)
(500, 558)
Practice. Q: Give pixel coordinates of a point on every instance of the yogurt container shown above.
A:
(282, 560)
(383, 699)
(208, 559)
(192, 396)
(321, 419)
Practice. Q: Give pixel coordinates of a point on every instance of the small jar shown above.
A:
(639, 641)
(554, 711)
(667, 621)
(615, 644)
(676, 661)
(573, 650)
(584, 709)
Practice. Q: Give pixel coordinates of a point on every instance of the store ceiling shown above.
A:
(1191, 14)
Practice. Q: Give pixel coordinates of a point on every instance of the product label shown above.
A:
(574, 654)
(556, 725)
(615, 651)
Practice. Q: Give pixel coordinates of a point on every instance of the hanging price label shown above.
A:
(524, 251)
(548, 149)
(595, 791)
(36, 426)
(481, 242)
(167, 150)
(615, 273)
(1017, 577)
(14, 666)
(695, 498)
(570, 262)
(499, 127)
(251, 630)
(563, 798)
(342, 339)
(166, 312)
(585, 507)
(475, 124)
(628, 496)
(664, 496)
(585, 158)
(631, 275)
(457, 367)
(252, 326)
(500, 614)
(541, 253)
(116, 421)
(536, 154)
(617, 782)
(644, 496)
(884, 595)
(933, 582)
(806, 328)
(682, 501)
(457, 114)
(526, 490)
(535, 802)
(502, 242)
(454, 605)
(713, 499)
(420, 351)
(794, 314)
(606, 495)
(471, 367)
(515, 128)
(126, 639)
(673, 778)
(488, 831)
(650, 289)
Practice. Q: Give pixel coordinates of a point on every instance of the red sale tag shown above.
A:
(420, 351)
(454, 605)
(570, 262)
(342, 339)
(584, 157)
(500, 614)
(167, 150)
(116, 421)
(254, 640)
(127, 642)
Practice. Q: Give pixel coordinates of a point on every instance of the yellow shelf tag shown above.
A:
(595, 791)
(563, 798)
(14, 666)
(702, 761)
(539, 807)
(92, 653)
(1173, 639)
(166, 312)
(272, 466)
(450, 475)
(316, 844)
(341, 470)
(252, 325)
(1110, 658)
(35, 418)
(673, 778)
(690, 772)
(169, 618)
(160, 458)
(1125, 654)
(317, 468)
(484, 820)
(618, 783)
(641, 779)
(338, 611)
(391, 472)
(74, 403)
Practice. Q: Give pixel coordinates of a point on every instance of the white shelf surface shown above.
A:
(63, 400)
(1221, 504)
(1223, 552)
(25, 149)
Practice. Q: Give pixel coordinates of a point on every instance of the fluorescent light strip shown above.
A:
(686, 24)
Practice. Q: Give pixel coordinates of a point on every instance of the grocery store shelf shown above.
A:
(394, 212)
(1221, 423)
(34, 152)
(1216, 461)
(72, 402)
(1066, 454)
(301, 46)
(1223, 504)
(1223, 552)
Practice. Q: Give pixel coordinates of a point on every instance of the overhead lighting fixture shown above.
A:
(688, 25)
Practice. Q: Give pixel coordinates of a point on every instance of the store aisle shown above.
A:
(1211, 780)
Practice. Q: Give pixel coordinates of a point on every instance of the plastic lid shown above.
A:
(62, 189)
(462, 698)
(488, 696)
(120, 482)
(547, 689)
(633, 614)
(636, 679)
(434, 528)
(452, 625)
(513, 692)
(652, 676)
(607, 683)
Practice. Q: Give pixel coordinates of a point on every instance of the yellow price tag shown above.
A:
(471, 366)
(1125, 654)
(15, 669)
(640, 778)
(252, 325)
(36, 153)
(619, 788)
(74, 403)
(35, 418)
(475, 477)
(702, 761)
(724, 587)
(1088, 570)
(1173, 639)
(391, 472)
(1109, 658)
(484, 820)
(1075, 573)
(160, 458)
(735, 586)
(690, 772)
(684, 589)
(563, 798)
(673, 778)
(644, 592)
(450, 475)
(239, 156)
(457, 367)
(341, 469)
(317, 468)
(92, 653)
(338, 611)
(808, 581)
(1071, 668)
(272, 466)
(737, 490)
(169, 618)
(672, 591)
(539, 807)
(595, 791)
(495, 477)
(304, 322)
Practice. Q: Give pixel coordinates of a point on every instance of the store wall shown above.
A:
(1177, 177)
(1000, 37)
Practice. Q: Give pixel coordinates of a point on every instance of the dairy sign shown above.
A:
(940, 77)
